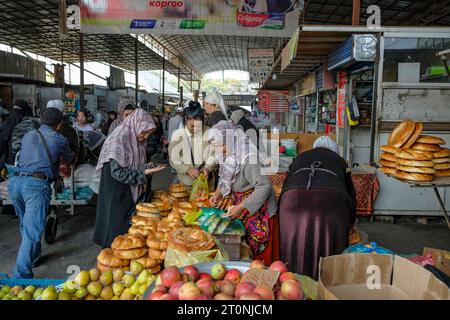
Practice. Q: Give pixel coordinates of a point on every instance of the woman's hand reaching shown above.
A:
(215, 198)
(234, 211)
(148, 172)
(193, 173)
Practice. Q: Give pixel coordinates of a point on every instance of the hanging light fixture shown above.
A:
(274, 77)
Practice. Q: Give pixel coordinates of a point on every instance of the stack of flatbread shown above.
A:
(409, 155)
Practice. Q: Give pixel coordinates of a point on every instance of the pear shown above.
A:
(70, 286)
(80, 293)
(128, 280)
(15, 298)
(115, 298)
(82, 279)
(151, 279)
(6, 289)
(7, 297)
(106, 279)
(74, 298)
(126, 295)
(49, 293)
(143, 277)
(118, 275)
(142, 289)
(2, 295)
(38, 293)
(30, 289)
(94, 274)
(90, 297)
(94, 288)
(63, 295)
(15, 290)
(118, 288)
(24, 295)
(136, 267)
(107, 293)
(134, 289)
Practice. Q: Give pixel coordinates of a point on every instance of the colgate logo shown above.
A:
(251, 20)
(166, 4)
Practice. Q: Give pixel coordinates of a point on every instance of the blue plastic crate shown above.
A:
(5, 280)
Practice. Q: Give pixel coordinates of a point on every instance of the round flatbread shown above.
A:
(443, 173)
(416, 169)
(443, 153)
(389, 149)
(388, 157)
(387, 170)
(430, 140)
(401, 133)
(426, 147)
(414, 155)
(442, 166)
(415, 163)
(388, 164)
(441, 160)
(413, 176)
(417, 131)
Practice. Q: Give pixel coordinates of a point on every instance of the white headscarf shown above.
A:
(58, 104)
(215, 97)
(327, 143)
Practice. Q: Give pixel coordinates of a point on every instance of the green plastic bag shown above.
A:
(211, 220)
(200, 189)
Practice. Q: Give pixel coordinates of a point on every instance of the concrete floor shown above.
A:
(74, 244)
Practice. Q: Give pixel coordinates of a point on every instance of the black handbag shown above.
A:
(59, 181)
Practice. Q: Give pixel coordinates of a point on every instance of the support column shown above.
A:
(356, 15)
(81, 72)
(136, 70)
(63, 84)
(164, 79)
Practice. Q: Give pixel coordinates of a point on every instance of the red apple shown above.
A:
(156, 295)
(278, 295)
(189, 291)
(223, 296)
(291, 290)
(278, 266)
(287, 276)
(205, 275)
(203, 297)
(160, 287)
(206, 286)
(167, 296)
(192, 272)
(227, 287)
(175, 287)
(233, 275)
(282, 149)
(169, 276)
(264, 292)
(257, 264)
(244, 288)
(250, 296)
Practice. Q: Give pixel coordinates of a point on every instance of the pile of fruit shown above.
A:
(223, 284)
(90, 285)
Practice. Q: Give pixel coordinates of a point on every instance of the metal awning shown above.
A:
(33, 26)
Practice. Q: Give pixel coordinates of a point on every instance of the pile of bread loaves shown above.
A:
(409, 155)
(178, 192)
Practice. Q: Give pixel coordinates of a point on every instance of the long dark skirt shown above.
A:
(115, 201)
(313, 224)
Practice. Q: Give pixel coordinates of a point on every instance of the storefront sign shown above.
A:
(260, 63)
(290, 51)
(273, 101)
(341, 98)
(270, 18)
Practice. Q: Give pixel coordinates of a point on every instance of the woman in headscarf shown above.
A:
(215, 108)
(317, 207)
(124, 109)
(123, 175)
(239, 119)
(21, 109)
(240, 174)
(112, 116)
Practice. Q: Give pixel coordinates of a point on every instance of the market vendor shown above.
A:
(123, 178)
(124, 109)
(317, 207)
(215, 108)
(82, 122)
(189, 150)
(241, 176)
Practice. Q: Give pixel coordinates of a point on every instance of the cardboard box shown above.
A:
(441, 259)
(377, 277)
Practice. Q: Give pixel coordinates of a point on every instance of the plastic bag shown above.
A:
(309, 287)
(423, 260)
(211, 220)
(180, 259)
(200, 189)
(368, 248)
(191, 218)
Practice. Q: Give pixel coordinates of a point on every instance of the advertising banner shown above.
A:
(269, 18)
(260, 62)
(341, 98)
(290, 51)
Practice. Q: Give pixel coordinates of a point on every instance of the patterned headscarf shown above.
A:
(239, 149)
(123, 102)
(327, 143)
(215, 97)
(123, 146)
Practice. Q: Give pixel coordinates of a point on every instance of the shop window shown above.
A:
(411, 60)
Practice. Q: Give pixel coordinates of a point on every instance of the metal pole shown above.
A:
(317, 111)
(356, 15)
(181, 95)
(164, 78)
(63, 84)
(81, 72)
(191, 80)
(178, 79)
(373, 116)
(136, 70)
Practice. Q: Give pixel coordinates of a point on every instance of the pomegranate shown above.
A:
(192, 272)
(169, 276)
(175, 287)
(264, 292)
(189, 291)
(291, 290)
(233, 275)
(278, 266)
(244, 288)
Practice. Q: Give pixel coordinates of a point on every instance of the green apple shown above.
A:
(118, 288)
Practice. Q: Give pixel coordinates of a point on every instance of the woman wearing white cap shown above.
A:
(215, 108)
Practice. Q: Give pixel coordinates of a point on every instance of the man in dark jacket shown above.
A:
(66, 128)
